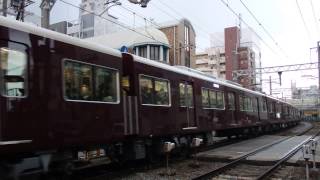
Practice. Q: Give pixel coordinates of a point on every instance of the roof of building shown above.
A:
(175, 23)
(128, 38)
(14, 24)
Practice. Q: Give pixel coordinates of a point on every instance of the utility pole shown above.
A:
(4, 7)
(270, 85)
(318, 64)
(46, 6)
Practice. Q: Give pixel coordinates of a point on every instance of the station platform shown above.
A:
(280, 150)
(299, 156)
(237, 150)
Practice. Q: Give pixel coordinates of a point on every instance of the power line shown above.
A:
(251, 29)
(175, 19)
(314, 17)
(304, 23)
(198, 25)
(121, 25)
(264, 29)
(139, 15)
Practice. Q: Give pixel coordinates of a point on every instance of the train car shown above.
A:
(60, 97)
(180, 103)
(65, 102)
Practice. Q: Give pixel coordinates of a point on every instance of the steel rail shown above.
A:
(236, 161)
(268, 172)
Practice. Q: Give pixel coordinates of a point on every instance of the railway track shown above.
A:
(154, 171)
(238, 167)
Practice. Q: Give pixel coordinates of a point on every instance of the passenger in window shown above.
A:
(146, 95)
(85, 92)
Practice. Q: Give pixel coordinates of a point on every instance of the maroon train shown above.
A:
(65, 100)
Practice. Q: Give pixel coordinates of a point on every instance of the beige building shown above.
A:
(212, 62)
(181, 36)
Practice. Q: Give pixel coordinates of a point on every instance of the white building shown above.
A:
(212, 62)
(29, 17)
(94, 20)
(148, 42)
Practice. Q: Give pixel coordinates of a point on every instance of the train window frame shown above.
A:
(215, 91)
(153, 84)
(26, 74)
(93, 82)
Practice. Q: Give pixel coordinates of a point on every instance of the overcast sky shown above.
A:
(281, 18)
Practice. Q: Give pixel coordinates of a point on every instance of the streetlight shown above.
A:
(143, 3)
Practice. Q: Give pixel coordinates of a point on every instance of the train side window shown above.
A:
(254, 105)
(146, 90)
(13, 66)
(161, 92)
(205, 98)
(154, 91)
(264, 106)
(213, 99)
(231, 101)
(86, 82)
(241, 103)
(220, 100)
(270, 108)
(105, 85)
(186, 95)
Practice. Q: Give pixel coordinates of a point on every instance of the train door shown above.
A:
(231, 109)
(15, 120)
(187, 104)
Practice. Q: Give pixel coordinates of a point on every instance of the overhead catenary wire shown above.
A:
(180, 14)
(314, 17)
(154, 23)
(251, 29)
(119, 24)
(304, 22)
(264, 29)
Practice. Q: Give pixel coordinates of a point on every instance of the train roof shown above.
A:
(32, 29)
(199, 75)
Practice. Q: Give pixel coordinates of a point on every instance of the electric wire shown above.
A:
(198, 25)
(119, 24)
(304, 22)
(264, 29)
(155, 24)
(314, 17)
(171, 16)
(251, 29)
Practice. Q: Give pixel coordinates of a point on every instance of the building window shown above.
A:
(212, 99)
(87, 21)
(87, 34)
(155, 53)
(186, 38)
(88, 82)
(143, 51)
(154, 91)
(165, 54)
(13, 66)
(186, 95)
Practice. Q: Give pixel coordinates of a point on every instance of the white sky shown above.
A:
(281, 18)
